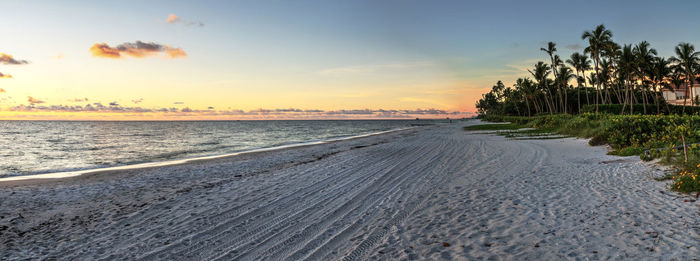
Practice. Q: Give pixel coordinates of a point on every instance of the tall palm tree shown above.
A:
(645, 57)
(550, 50)
(563, 78)
(581, 64)
(687, 61)
(597, 38)
(540, 73)
(611, 51)
(626, 68)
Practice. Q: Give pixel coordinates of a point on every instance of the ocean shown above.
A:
(37, 147)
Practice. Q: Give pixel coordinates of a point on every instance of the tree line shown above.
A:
(605, 73)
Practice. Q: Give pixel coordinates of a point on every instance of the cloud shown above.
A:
(2, 90)
(78, 100)
(32, 100)
(367, 69)
(178, 103)
(113, 104)
(174, 19)
(136, 49)
(2, 75)
(574, 47)
(137, 101)
(287, 113)
(8, 59)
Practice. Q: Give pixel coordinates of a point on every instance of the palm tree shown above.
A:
(660, 70)
(612, 51)
(550, 50)
(563, 78)
(528, 91)
(676, 79)
(687, 60)
(645, 57)
(581, 64)
(540, 74)
(627, 65)
(597, 38)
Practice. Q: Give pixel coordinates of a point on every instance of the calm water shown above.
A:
(32, 147)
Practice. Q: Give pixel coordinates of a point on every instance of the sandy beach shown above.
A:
(430, 192)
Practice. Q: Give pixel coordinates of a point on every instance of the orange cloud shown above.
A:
(137, 49)
(172, 18)
(32, 100)
(2, 90)
(8, 59)
(2, 75)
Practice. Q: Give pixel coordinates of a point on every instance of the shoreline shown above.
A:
(62, 175)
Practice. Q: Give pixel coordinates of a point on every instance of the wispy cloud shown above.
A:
(375, 68)
(2, 90)
(9, 59)
(33, 100)
(78, 100)
(287, 113)
(136, 49)
(137, 101)
(174, 19)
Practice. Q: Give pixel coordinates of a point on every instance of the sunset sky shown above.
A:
(295, 59)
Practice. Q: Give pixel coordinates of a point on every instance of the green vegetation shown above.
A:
(628, 135)
(616, 100)
(608, 77)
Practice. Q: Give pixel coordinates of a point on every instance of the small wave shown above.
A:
(209, 143)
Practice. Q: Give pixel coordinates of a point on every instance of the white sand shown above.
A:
(426, 193)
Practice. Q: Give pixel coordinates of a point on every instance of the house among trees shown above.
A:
(676, 94)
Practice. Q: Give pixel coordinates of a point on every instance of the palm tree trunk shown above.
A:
(597, 89)
(656, 99)
(578, 92)
(588, 99)
(550, 101)
(527, 104)
(566, 99)
(685, 98)
(630, 90)
(644, 98)
(690, 86)
(537, 107)
(624, 100)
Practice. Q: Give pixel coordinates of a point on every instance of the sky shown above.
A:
(295, 59)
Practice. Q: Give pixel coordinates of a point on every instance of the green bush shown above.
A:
(639, 109)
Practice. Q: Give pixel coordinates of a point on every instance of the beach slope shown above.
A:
(434, 192)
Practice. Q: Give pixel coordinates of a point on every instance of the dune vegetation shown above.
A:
(616, 100)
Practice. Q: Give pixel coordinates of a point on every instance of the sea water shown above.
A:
(35, 147)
